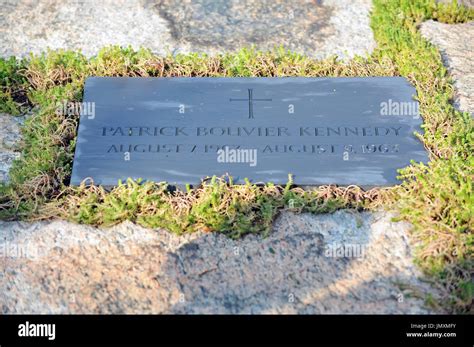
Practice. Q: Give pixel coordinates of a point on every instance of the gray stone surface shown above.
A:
(457, 50)
(60, 267)
(316, 28)
(9, 140)
(321, 130)
(467, 3)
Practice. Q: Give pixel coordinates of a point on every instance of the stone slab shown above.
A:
(321, 130)
(457, 51)
(10, 137)
(57, 267)
(317, 28)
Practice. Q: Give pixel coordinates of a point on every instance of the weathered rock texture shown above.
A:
(316, 28)
(467, 3)
(9, 141)
(60, 267)
(457, 50)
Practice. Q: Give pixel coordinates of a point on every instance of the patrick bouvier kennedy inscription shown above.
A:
(181, 130)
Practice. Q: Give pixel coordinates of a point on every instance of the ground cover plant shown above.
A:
(437, 198)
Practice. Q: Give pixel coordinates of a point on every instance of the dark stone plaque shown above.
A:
(180, 130)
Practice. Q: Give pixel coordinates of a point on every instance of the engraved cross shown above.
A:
(250, 101)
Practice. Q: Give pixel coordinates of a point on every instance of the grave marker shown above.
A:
(180, 130)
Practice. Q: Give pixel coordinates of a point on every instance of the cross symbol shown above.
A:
(250, 100)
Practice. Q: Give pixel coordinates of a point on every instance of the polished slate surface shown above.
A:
(320, 130)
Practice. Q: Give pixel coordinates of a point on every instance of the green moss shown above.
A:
(438, 198)
(13, 98)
